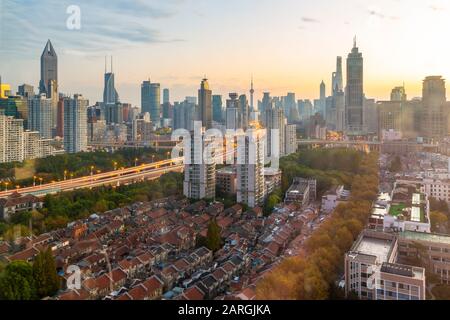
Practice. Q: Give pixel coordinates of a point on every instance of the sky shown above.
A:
(288, 45)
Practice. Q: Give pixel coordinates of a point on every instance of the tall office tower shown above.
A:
(354, 93)
(265, 104)
(290, 146)
(199, 176)
(151, 101)
(185, 113)
(11, 139)
(398, 94)
(205, 104)
(113, 113)
(370, 116)
(322, 99)
(244, 112)
(275, 125)
(40, 115)
(339, 105)
(167, 111)
(26, 91)
(434, 114)
(232, 112)
(337, 78)
(49, 72)
(250, 168)
(290, 104)
(60, 118)
(166, 96)
(48, 84)
(75, 124)
(305, 109)
(110, 95)
(217, 108)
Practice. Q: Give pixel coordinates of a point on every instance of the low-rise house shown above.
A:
(17, 202)
(193, 293)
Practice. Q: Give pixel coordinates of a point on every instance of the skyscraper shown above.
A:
(49, 72)
(232, 112)
(151, 101)
(166, 96)
(434, 113)
(205, 104)
(110, 95)
(354, 94)
(75, 124)
(337, 78)
(217, 108)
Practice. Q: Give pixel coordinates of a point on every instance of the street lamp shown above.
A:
(41, 179)
(92, 170)
(168, 155)
(34, 181)
(65, 175)
(115, 165)
(6, 186)
(153, 158)
(135, 162)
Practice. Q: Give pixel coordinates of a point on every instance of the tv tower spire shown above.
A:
(252, 91)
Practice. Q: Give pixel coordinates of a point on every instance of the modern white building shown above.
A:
(290, 139)
(19, 145)
(332, 198)
(75, 124)
(199, 176)
(250, 168)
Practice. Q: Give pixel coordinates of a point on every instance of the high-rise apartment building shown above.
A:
(250, 168)
(275, 123)
(75, 124)
(166, 96)
(199, 175)
(40, 115)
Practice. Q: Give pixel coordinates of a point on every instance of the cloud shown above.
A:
(375, 12)
(309, 20)
(105, 24)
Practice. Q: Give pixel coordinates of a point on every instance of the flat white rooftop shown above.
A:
(375, 247)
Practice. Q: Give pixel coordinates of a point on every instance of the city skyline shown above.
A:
(299, 70)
